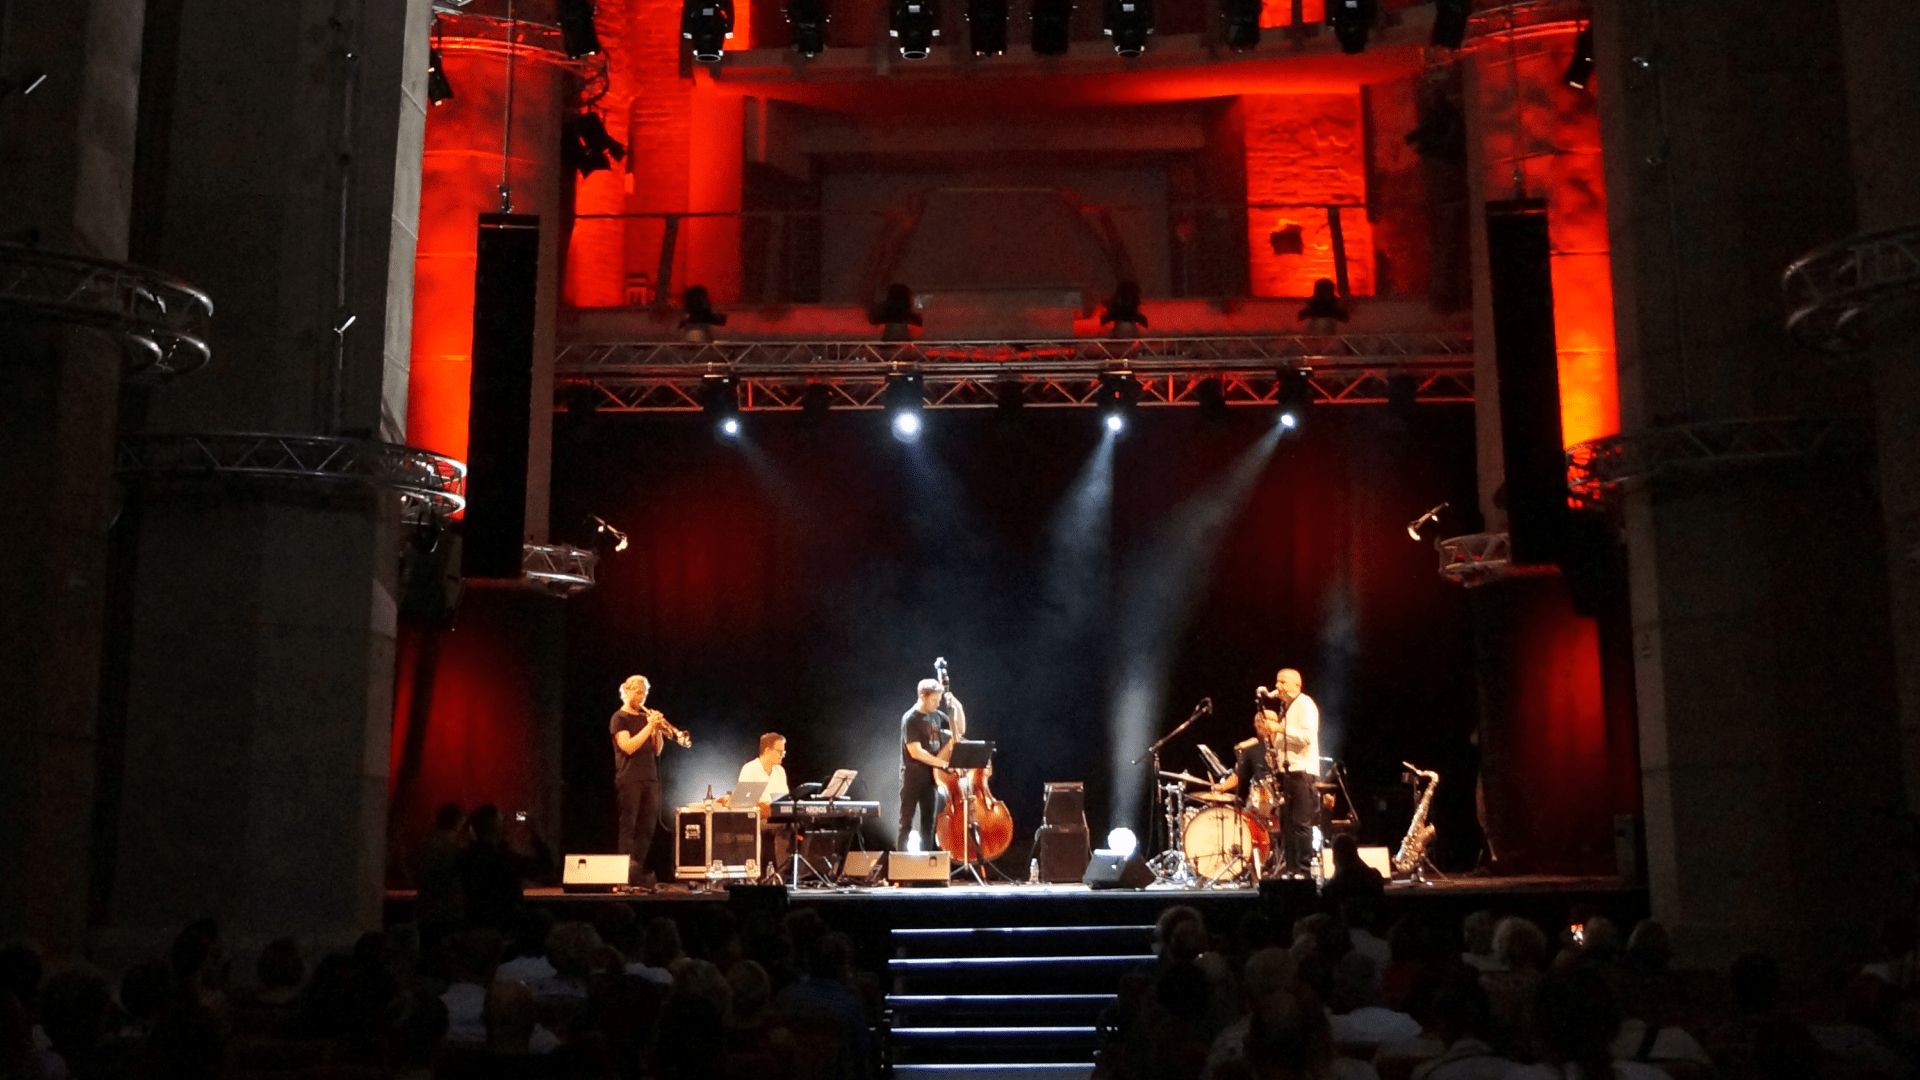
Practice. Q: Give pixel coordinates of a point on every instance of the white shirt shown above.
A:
(1371, 1025)
(465, 1023)
(1301, 723)
(755, 773)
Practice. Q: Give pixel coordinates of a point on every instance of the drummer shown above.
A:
(1253, 759)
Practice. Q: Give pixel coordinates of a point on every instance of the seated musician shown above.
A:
(1253, 758)
(766, 769)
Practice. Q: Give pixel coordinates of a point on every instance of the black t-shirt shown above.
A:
(1250, 764)
(927, 729)
(640, 766)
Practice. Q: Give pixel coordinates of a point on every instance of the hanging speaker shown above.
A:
(500, 401)
(1527, 363)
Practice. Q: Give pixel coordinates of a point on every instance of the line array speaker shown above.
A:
(500, 402)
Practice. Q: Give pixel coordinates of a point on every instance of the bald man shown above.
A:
(1295, 720)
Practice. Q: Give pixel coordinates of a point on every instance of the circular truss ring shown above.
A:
(161, 321)
(1836, 291)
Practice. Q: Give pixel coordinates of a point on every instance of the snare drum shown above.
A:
(1220, 842)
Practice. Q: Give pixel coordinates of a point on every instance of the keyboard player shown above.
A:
(766, 768)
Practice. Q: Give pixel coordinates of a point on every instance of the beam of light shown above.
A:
(1163, 583)
(1075, 575)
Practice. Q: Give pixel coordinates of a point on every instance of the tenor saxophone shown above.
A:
(1419, 833)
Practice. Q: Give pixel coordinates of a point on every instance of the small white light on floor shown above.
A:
(913, 841)
(1121, 841)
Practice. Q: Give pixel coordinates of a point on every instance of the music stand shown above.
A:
(970, 754)
(837, 787)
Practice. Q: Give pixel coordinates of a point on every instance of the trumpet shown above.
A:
(657, 717)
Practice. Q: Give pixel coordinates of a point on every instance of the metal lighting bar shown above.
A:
(426, 482)
(1344, 370)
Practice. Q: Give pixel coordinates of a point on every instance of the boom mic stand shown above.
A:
(1171, 862)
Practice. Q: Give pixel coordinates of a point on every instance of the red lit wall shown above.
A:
(1306, 149)
(1553, 142)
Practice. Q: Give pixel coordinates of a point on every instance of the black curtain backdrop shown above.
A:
(803, 579)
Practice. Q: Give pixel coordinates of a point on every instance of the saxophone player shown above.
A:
(1297, 752)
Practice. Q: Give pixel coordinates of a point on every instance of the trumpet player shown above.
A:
(638, 735)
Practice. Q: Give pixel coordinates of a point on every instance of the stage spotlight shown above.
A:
(577, 35)
(1294, 394)
(1211, 396)
(1449, 23)
(1118, 392)
(1243, 23)
(1351, 20)
(585, 145)
(439, 90)
(987, 27)
(914, 24)
(1128, 24)
(903, 399)
(1414, 526)
(1010, 395)
(1580, 68)
(1121, 841)
(707, 24)
(1052, 26)
(720, 400)
(809, 21)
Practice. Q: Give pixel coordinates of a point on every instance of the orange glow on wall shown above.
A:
(1554, 143)
(1305, 151)
(1280, 12)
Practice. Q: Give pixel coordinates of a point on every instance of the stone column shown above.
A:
(66, 167)
(1761, 633)
(259, 682)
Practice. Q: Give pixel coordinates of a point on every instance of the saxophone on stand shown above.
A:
(1412, 856)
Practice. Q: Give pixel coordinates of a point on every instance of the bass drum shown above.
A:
(1220, 842)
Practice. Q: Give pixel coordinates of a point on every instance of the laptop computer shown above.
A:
(746, 794)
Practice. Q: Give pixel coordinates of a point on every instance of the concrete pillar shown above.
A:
(66, 167)
(1883, 119)
(259, 669)
(1761, 635)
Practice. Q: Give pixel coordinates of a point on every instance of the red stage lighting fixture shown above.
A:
(1128, 24)
(577, 35)
(1352, 20)
(439, 90)
(987, 27)
(1580, 68)
(1052, 26)
(914, 24)
(809, 21)
(1449, 24)
(707, 24)
(1242, 18)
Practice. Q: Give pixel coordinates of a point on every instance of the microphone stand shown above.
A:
(1173, 863)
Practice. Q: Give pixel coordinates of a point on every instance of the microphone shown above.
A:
(1206, 704)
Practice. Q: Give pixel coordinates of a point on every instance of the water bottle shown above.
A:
(1033, 872)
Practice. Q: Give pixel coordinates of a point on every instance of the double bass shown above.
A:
(970, 807)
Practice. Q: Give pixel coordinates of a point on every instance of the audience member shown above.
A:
(1575, 1019)
(473, 959)
(439, 900)
(1355, 890)
(493, 872)
(75, 1012)
(659, 948)
(1476, 933)
(1458, 1022)
(1520, 948)
(1358, 1020)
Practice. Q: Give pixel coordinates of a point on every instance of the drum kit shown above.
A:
(1212, 841)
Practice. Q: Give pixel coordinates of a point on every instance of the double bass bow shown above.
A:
(973, 826)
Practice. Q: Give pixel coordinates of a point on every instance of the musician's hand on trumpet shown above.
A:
(657, 721)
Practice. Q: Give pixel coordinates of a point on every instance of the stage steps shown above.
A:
(1005, 1002)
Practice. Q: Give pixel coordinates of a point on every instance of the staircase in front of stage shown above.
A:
(1005, 1001)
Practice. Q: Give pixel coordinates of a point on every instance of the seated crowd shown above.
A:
(496, 988)
(1490, 999)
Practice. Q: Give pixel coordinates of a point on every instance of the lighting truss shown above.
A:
(1602, 467)
(162, 323)
(558, 568)
(775, 376)
(1836, 290)
(427, 482)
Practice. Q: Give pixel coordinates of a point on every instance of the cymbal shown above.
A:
(1212, 797)
(1187, 778)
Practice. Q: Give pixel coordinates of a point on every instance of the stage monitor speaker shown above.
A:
(1065, 805)
(500, 401)
(1061, 853)
(918, 868)
(1379, 858)
(861, 866)
(1112, 870)
(1527, 363)
(594, 873)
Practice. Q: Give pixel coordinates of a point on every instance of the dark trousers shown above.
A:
(639, 816)
(1302, 814)
(916, 795)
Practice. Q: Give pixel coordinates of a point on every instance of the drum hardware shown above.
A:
(1224, 844)
(1185, 778)
(1170, 864)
